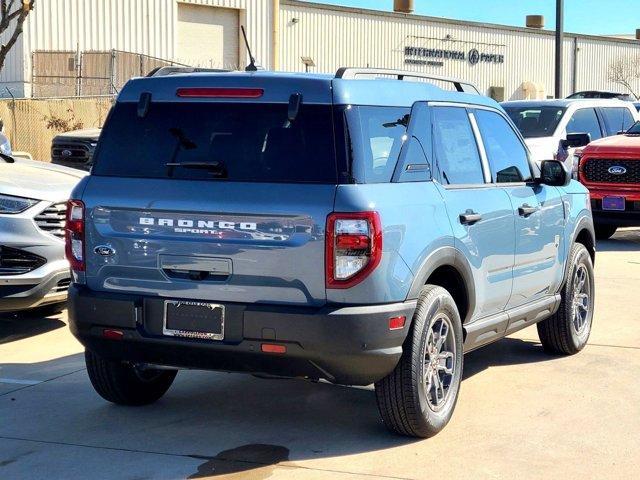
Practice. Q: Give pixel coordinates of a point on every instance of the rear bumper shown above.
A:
(347, 345)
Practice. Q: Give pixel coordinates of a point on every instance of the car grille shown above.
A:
(71, 153)
(52, 219)
(17, 262)
(597, 171)
(61, 286)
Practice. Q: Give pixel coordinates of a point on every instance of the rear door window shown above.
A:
(507, 155)
(456, 153)
(617, 119)
(243, 142)
(585, 120)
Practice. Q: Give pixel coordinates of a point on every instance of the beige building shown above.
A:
(88, 38)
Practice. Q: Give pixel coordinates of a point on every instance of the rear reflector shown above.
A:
(273, 348)
(396, 323)
(206, 92)
(112, 334)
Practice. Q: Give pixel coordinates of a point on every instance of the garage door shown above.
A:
(208, 36)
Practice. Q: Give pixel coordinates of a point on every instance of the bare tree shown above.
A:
(12, 10)
(626, 72)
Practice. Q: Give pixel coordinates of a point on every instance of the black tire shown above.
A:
(604, 232)
(404, 402)
(124, 384)
(564, 332)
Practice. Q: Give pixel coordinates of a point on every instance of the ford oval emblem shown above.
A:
(617, 170)
(104, 250)
(66, 153)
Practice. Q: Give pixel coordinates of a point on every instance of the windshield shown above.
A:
(536, 121)
(219, 141)
(635, 129)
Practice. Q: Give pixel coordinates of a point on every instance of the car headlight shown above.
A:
(11, 204)
(5, 147)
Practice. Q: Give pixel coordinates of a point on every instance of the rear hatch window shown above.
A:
(240, 142)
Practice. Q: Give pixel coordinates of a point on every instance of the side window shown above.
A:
(617, 119)
(585, 120)
(507, 156)
(455, 149)
(378, 134)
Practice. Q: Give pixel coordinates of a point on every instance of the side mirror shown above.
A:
(576, 140)
(554, 173)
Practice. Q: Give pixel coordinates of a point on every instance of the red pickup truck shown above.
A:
(610, 169)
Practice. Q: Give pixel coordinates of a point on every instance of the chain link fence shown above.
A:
(31, 124)
(69, 74)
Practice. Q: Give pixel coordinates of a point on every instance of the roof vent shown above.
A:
(403, 6)
(535, 21)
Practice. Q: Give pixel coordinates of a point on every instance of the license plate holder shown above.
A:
(613, 203)
(189, 319)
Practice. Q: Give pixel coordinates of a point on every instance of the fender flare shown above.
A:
(584, 222)
(445, 256)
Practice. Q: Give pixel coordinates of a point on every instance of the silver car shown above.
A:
(33, 270)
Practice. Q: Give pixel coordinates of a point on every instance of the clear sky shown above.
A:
(597, 17)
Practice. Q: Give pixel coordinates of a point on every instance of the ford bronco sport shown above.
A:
(356, 228)
(610, 169)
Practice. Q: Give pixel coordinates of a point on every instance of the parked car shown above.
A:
(33, 268)
(554, 128)
(75, 149)
(610, 169)
(602, 94)
(393, 226)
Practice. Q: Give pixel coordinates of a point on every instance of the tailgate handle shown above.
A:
(196, 268)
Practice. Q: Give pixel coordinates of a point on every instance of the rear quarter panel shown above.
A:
(414, 223)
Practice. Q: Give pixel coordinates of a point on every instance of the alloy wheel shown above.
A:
(581, 302)
(439, 361)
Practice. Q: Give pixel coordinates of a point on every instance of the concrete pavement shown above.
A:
(521, 413)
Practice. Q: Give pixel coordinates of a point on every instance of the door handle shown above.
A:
(470, 217)
(527, 210)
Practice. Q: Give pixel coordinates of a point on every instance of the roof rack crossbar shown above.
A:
(351, 73)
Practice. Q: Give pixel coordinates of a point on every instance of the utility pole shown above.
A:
(559, 44)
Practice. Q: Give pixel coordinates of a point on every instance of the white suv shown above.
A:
(552, 129)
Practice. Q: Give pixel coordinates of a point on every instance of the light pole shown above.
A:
(559, 44)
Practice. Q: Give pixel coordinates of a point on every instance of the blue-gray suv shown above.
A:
(364, 227)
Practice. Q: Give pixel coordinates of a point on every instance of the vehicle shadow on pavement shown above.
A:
(232, 423)
(18, 326)
(627, 240)
(508, 351)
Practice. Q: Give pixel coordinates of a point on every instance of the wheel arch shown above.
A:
(447, 268)
(584, 233)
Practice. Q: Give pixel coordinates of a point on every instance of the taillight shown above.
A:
(74, 235)
(353, 247)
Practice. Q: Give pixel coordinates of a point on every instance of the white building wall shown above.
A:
(336, 37)
(140, 26)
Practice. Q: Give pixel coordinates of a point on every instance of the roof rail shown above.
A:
(174, 70)
(351, 73)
